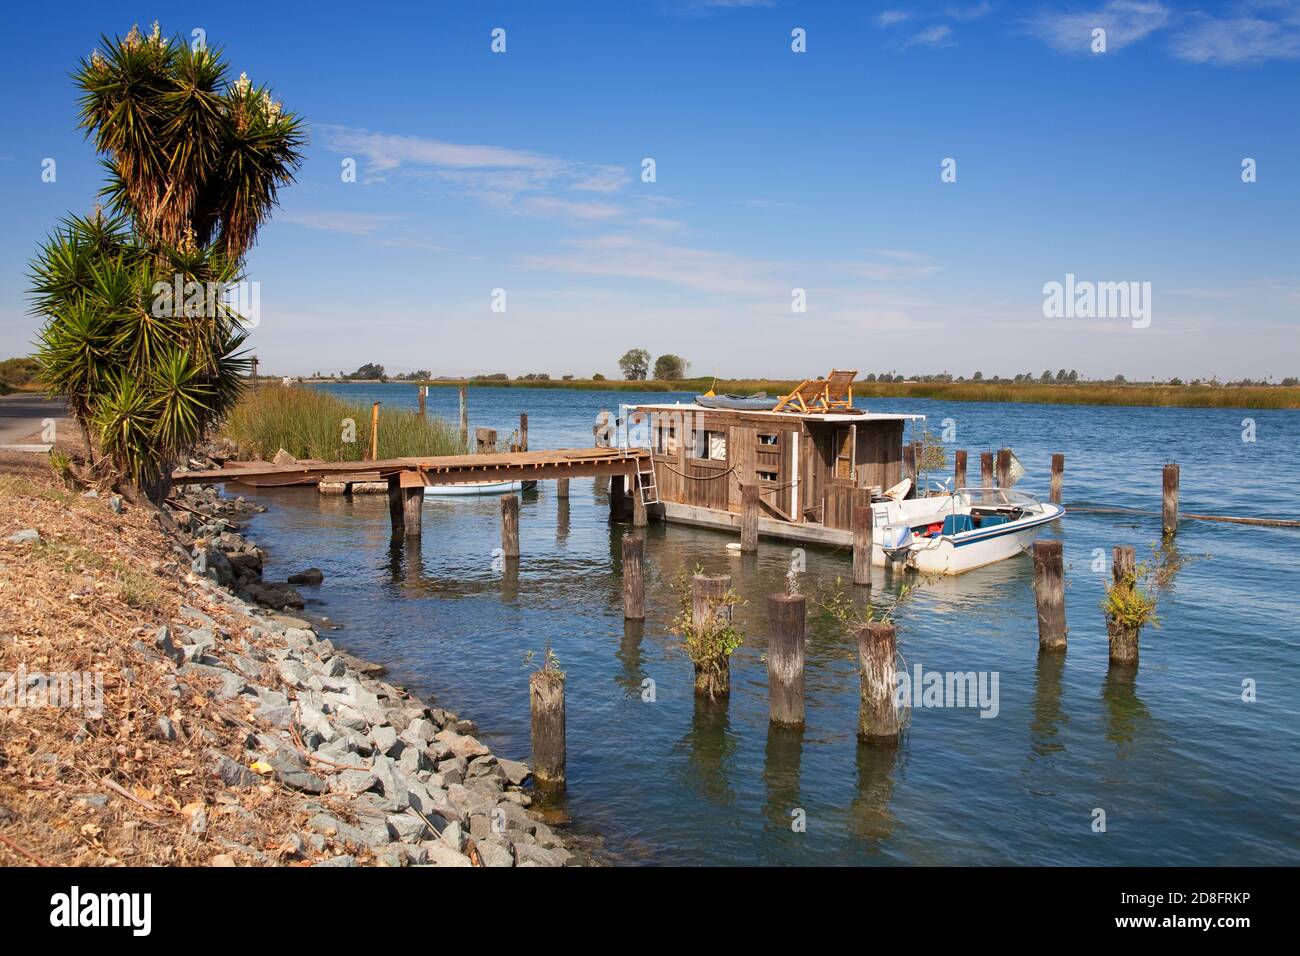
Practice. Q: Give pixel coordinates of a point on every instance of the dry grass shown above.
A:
(77, 603)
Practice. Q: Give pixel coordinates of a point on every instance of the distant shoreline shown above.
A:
(1184, 396)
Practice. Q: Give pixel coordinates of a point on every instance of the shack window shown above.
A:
(710, 445)
(666, 438)
(767, 476)
(767, 439)
(843, 453)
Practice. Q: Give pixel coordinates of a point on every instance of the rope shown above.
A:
(722, 474)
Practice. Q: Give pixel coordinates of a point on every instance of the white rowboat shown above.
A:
(477, 488)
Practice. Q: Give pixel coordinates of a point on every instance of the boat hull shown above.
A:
(957, 554)
(476, 488)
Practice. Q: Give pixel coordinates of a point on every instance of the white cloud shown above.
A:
(936, 36)
(1249, 37)
(969, 13)
(889, 18)
(1125, 22)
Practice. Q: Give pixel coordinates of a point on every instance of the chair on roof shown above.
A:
(834, 393)
(839, 390)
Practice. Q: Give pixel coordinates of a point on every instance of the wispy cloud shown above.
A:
(889, 18)
(1125, 22)
(495, 175)
(973, 12)
(1254, 33)
(936, 36)
(352, 223)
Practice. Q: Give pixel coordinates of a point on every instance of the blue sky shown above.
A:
(774, 171)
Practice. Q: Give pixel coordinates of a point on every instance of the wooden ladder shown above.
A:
(645, 481)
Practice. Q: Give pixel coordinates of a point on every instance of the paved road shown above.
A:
(21, 415)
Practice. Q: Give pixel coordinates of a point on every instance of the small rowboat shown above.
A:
(752, 403)
(477, 488)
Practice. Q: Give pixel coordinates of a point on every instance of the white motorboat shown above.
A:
(477, 488)
(960, 531)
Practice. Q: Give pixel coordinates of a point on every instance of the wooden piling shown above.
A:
(1049, 594)
(1004, 467)
(861, 520)
(787, 617)
(878, 717)
(1058, 473)
(412, 511)
(374, 432)
(422, 393)
(633, 577)
(510, 525)
(485, 440)
(748, 518)
(959, 469)
(986, 469)
(600, 439)
(1123, 638)
(396, 507)
(464, 417)
(546, 708)
(561, 487)
(639, 516)
(523, 431)
(1169, 517)
(615, 497)
(712, 678)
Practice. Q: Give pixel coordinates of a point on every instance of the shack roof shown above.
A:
(863, 416)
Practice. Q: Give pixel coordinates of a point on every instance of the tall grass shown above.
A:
(308, 423)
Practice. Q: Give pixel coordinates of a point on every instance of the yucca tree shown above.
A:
(146, 352)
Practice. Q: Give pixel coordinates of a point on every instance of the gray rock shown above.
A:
(310, 576)
(420, 732)
(413, 760)
(453, 834)
(338, 861)
(26, 536)
(439, 854)
(408, 828)
(392, 782)
(532, 853)
(352, 781)
(515, 771)
(166, 729)
(162, 642)
(496, 851)
(230, 772)
(385, 738)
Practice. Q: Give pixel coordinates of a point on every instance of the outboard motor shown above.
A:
(895, 540)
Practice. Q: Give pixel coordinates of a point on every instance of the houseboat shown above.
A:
(812, 455)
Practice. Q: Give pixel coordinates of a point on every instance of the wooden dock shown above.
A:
(408, 477)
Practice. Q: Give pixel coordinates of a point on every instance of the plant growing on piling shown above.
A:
(710, 642)
(1131, 601)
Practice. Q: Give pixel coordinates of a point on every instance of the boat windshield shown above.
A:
(995, 498)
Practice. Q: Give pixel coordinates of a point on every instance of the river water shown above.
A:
(1184, 770)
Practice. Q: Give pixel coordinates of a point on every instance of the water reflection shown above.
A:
(710, 749)
(781, 774)
(632, 658)
(870, 818)
(562, 521)
(1126, 715)
(1048, 717)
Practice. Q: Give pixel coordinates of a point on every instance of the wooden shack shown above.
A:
(807, 466)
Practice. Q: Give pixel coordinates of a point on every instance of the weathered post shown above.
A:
(1123, 636)
(374, 432)
(485, 440)
(561, 487)
(633, 577)
(1004, 467)
(959, 469)
(878, 718)
(862, 536)
(254, 372)
(1058, 473)
(1049, 594)
(510, 525)
(787, 616)
(615, 497)
(396, 507)
(546, 708)
(412, 511)
(986, 469)
(523, 431)
(464, 417)
(1169, 517)
(748, 518)
(422, 393)
(709, 614)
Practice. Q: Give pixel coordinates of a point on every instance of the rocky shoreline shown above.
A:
(383, 777)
